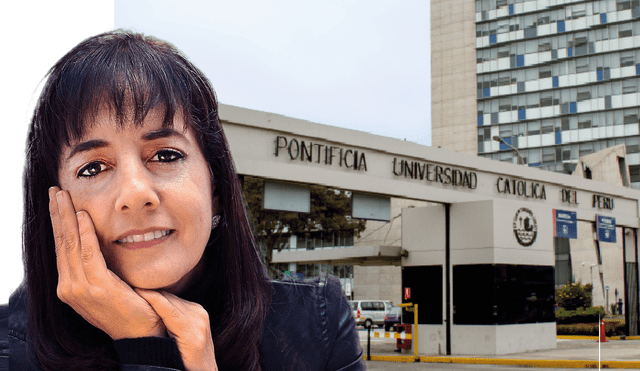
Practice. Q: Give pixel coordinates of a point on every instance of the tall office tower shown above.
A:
(556, 79)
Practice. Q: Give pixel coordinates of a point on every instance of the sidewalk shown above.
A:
(570, 353)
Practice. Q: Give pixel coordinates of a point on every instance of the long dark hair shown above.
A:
(132, 73)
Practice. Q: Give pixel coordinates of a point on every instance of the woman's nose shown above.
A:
(137, 190)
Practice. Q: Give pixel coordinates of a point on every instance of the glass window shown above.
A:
(531, 74)
(584, 121)
(505, 104)
(544, 45)
(616, 88)
(562, 41)
(544, 72)
(504, 78)
(578, 11)
(533, 100)
(582, 65)
(584, 93)
(533, 128)
(534, 156)
(624, 30)
(623, 5)
(548, 155)
(585, 149)
(573, 123)
(627, 59)
(630, 116)
(546, 100)
(530, 20)
(629, 86)
(613, 32)
(617, 118)
(530, 46)
(503, 52)
(546, 127)
(503, 26)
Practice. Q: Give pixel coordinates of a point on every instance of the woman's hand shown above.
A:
(87, 285)
(188, 324)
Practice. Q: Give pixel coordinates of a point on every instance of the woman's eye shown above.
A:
(167, 155)
(91, 169)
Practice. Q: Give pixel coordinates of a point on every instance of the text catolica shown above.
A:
(521, 188)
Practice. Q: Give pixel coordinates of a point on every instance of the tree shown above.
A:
(574, 295)
(330, 212)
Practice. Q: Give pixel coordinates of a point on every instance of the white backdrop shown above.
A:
(35, 35)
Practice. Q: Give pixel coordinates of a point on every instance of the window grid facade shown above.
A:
(558, 79)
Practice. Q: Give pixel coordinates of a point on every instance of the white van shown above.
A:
(370, 312)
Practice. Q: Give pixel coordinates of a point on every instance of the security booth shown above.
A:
(483, 260)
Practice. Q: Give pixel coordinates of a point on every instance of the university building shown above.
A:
(556, 79)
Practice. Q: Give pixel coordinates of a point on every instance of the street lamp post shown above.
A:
(520, 159)
(590, 271)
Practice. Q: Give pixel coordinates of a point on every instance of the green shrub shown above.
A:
(580, 315)
(574, 296)
(592, 329)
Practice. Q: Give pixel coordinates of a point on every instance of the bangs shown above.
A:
(128, 74)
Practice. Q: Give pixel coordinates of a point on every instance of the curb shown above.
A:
(584, 337)
(540, 363)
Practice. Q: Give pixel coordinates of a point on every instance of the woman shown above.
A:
(138, 251)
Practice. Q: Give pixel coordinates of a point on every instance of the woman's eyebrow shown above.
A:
(163, 133)
(87, 146)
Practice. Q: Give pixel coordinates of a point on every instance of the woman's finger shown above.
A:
(169, 312)
(188, 323)
(70, 235)
(61, 256)
(93, 262)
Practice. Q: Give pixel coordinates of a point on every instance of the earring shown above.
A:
(215, 221)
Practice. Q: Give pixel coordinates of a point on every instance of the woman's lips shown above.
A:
(142, 241)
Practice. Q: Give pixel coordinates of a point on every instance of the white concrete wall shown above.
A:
(503, 339)
(432, 339)
(484, 234)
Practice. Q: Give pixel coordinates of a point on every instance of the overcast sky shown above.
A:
(362, 65)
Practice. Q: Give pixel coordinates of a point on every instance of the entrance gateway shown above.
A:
(480, 262)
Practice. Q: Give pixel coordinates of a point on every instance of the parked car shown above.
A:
(370, 312)
(393, 318)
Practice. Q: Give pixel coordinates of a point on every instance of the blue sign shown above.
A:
(566, 224)
(606, 228)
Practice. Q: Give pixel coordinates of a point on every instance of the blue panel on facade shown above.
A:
(570, 51)
(558, 137)
(573, 107)
(480, 120)
(606, 228)
(560, 26)
(493, 39)
(600, 75)
(522, 114)
(535, 164)
(520, 59)
(487, 92)
(556, 82)
(510, 9)
(603, 17)
(504, 146)
(638, 69)
(566, 224)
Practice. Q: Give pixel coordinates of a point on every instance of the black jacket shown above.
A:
(310, 327)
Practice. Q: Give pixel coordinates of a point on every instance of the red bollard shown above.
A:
(602, 339)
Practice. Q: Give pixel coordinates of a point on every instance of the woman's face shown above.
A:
(148, 192)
